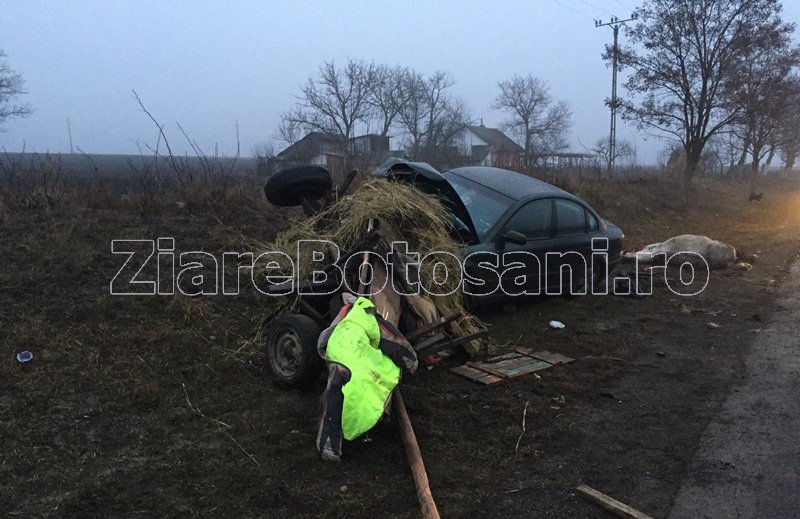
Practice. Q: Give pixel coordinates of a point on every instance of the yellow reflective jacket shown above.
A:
(354, 344)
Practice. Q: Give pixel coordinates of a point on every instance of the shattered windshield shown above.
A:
(484, 205)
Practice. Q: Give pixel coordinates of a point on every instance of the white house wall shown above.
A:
(468, 140)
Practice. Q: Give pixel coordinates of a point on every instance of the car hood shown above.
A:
(428, 179)
(611, 224)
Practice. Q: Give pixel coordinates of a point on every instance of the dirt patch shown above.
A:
(159, 406)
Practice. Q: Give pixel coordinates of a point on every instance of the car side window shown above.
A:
(592, 223)
(570, 218)
(533, 220)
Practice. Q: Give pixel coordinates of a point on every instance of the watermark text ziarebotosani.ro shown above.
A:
(154, 267)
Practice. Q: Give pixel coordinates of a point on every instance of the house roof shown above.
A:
(318, 143)
(495, 138)
(314, 143)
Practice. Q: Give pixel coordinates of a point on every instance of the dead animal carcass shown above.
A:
(690, 248)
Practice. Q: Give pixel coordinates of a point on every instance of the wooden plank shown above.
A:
(609, 503)
(511, 355)
(538, 365)
(425, 348)
(475, 375)
(511, 368)
(516, 365)
(487, 379)
(433, 350)
(427, 342)
(509, 363)
(426, 503)
(552, 358)
(483, 367)
(431, 326)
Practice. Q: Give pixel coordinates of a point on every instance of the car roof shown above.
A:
(509, 183)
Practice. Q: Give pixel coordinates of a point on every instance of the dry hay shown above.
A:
(400, 213)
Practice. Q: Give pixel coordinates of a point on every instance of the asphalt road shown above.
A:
(748, 461)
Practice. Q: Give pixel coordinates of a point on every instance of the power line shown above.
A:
(573, 10)
(625, 6)
(598, 8)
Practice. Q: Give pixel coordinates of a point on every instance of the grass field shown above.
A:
(160, 406)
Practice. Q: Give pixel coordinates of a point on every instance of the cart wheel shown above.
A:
(288, 188)
(292, 350)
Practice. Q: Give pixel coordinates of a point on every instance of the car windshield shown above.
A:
(484, 205)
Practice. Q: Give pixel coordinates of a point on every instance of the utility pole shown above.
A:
(69, 131)
(613, 103)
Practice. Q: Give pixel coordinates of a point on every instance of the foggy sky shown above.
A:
(210, 64)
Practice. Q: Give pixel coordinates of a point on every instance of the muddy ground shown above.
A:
(160, 406)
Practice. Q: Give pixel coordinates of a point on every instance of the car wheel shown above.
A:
(291, 349)
(288, 188)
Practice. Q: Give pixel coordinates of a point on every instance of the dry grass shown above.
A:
(649, 208)
(400, 213)
(98, 423)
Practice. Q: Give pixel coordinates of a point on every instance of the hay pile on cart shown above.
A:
(370, 219)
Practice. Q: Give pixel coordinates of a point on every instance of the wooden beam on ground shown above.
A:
(609, 503)
(415, 463)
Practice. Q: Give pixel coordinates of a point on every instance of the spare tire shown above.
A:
(288, 188)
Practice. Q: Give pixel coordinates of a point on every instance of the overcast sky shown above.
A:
(209, 65)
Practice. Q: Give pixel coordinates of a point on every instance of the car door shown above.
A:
(570, 253)
(523, 265)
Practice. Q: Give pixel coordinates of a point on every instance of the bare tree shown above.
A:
(689, 52)
(386, 98)
(411, 117)
(11, 86)
(334, 102)
(289, 130)
(263, 151)
(443, 132)
(726, 148)
(623, 151)
(430, 117)
(789, 131)
(539, 124)
(763, 91)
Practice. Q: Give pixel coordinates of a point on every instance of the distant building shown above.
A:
(318, 148)
(328, 151)
(482, 146)
(365, 145)
(568, 163)
(565, 160)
